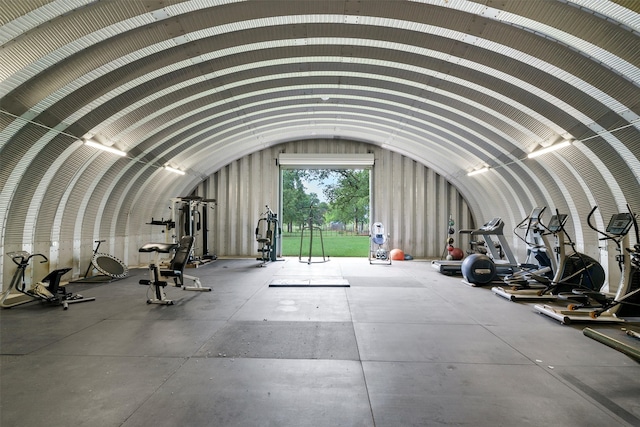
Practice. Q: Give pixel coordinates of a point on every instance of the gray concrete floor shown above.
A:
(403, 346)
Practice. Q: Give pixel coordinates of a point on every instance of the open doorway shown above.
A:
(335, 202)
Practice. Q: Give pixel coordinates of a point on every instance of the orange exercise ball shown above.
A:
(397, 254)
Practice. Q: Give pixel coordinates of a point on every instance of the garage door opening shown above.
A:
(334, 197)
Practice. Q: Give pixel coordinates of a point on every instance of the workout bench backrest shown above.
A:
(182, 254)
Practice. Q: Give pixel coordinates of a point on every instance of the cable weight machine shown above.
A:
(268, 231)
(190, 214)
(168, 225)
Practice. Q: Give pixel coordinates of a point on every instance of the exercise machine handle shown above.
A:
(22, 258)
(606, 236)
(635, 224)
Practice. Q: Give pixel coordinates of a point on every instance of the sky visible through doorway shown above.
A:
(314, 186)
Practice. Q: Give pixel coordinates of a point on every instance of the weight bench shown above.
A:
(175, 270)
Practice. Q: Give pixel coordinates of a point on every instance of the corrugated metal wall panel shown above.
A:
(59, 173)
(29, 172)
(72, 209)
(411, 200)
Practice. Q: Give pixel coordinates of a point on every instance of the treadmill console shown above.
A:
(492, 225)
(619, 224)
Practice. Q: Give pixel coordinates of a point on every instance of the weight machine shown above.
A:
(188, 214)
(268, 231)
(168, 225)
(158, 277)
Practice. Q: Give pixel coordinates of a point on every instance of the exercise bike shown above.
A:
(592, 305)
(48, 290)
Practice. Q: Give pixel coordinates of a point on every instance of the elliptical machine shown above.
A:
(575, 271)
(591, 305)
(538, 262)
(48, 290)
(535, 284)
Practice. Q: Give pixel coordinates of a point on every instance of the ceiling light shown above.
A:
(178, 171)
(549, 149)
(99, 146)
(478, 171)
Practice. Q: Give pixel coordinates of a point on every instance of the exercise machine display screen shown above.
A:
(557, 222)
(620, 224)
(492, 224)
(535, 214)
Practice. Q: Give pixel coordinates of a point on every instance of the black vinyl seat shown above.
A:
(179, 261)
(175, 269)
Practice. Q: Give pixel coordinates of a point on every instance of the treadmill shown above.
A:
(492, 229)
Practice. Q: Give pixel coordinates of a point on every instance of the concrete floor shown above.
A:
(403, 346)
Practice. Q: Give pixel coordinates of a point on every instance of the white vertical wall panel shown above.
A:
(411, 200)
(242, 189)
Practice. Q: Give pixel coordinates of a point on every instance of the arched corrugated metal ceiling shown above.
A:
(195, 84)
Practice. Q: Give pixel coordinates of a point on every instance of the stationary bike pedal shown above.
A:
(144, 282)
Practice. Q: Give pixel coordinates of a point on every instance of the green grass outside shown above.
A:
(335, 245)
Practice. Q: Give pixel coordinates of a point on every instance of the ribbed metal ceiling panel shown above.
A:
(21, 18)
(620, 11)
(198, 84)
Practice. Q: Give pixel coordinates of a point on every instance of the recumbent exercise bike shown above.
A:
(48, 290)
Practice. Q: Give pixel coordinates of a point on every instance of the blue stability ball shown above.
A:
(478, 269)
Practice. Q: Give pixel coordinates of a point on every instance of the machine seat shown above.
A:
(163, 248)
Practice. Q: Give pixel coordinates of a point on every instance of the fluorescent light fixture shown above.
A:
(549, 149)
(478, 171)
(178, 171)
(99, 146)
